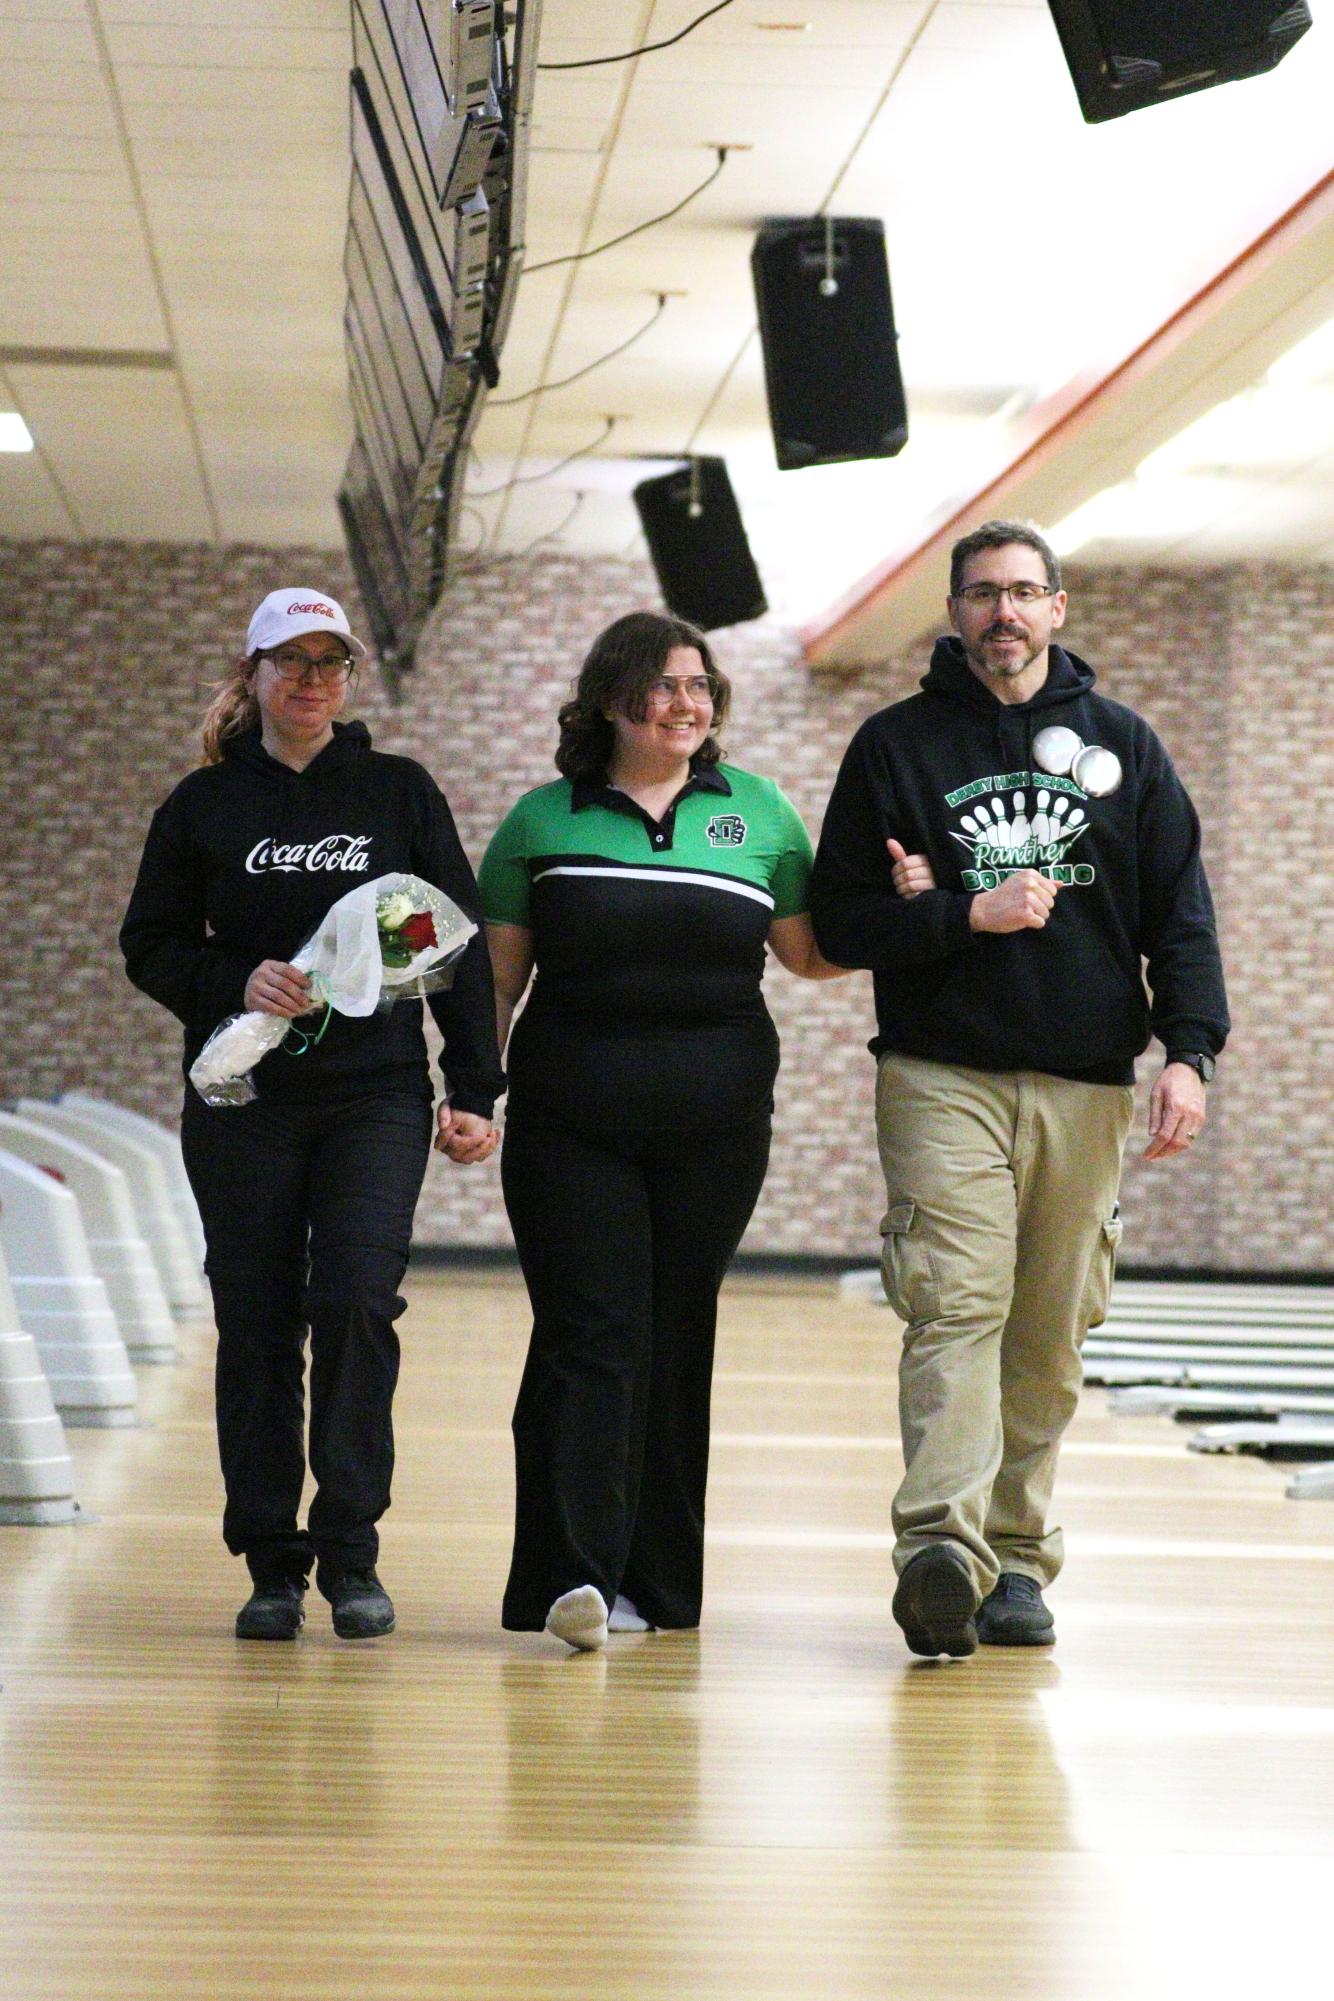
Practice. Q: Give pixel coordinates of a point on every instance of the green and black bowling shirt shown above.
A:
(648, 939)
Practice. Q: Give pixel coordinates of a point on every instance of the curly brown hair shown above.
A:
(621, 663)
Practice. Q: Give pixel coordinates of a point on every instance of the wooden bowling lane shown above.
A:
(783, 1805)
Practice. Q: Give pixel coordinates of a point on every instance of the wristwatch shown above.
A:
(1203, 1066)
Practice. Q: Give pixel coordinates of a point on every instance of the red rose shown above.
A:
(419, 931)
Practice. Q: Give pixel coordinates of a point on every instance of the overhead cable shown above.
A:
(531, 478)
(646, 48)
(542, 389)
(578, 256)
(551, 533)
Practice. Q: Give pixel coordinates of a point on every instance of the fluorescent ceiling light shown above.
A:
(1102, 515)
(1147, 512)
(14, 433)
(1208, 440)
(1311, 359)
(1275, 425)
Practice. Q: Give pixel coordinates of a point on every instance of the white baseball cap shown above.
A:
(288, 614)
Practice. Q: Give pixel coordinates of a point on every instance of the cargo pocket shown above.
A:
(909, 1269)
(1098, 1284)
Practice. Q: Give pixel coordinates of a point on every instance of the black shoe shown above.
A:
(935, 1603)
(362, 1608)
(1013, 1615)
(275, 1609)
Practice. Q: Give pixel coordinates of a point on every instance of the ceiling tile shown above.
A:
(54, 39)
(779, 62)
(49, 117)
(83, 191)
(83, 417)
(282, 493)
(250, 284)
(584, 96)
(717, 111)
(43, 10)
(28, 230)
(303, 402)
(266, 16)
(984, 29)
(30, 504)
(49, 152)
(313, 95)
(287, 52)
(212, 337)
(34, 314)
(253, 153)
(55, 82)
(865, 24)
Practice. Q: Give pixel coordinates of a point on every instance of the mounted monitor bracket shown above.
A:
(472, 44)
(457, 147)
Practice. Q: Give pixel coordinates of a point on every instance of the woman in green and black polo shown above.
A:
(643, 887)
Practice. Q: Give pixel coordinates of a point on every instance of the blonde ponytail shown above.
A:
(232, 709)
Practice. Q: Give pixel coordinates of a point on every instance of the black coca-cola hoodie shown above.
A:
(245, 858)
(945, 772)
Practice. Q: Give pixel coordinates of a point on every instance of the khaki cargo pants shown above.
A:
(999, 1241)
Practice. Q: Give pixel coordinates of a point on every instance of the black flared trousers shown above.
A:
(307, 1213)
(624, 1240)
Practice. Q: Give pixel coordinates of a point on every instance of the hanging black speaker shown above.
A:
(1125, 54)
(831, 364)
(698, 546)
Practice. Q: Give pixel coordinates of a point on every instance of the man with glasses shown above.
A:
(1009, 853)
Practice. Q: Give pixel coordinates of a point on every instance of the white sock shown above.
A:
(625, 1617)
(579, 1617)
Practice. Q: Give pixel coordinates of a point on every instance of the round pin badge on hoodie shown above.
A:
(1055, 750)
(1096, 771)
(1061, 752)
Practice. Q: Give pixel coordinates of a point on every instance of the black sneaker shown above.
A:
(1014, 1615)
(935, 1603)
(275, 1609)
(362, 1608)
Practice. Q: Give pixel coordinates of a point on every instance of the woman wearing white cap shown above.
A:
(307, 1194)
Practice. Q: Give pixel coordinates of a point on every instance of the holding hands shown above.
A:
(275, 987)
(466, 1138)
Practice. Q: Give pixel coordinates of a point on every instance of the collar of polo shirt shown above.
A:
(590, 792)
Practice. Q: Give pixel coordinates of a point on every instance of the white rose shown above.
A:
(392, 911)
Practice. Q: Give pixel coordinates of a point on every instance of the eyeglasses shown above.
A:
(294, 665)
(698, 687)
(991, 594)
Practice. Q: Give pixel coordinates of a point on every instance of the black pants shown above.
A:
(307, 1212)
(624, 1241)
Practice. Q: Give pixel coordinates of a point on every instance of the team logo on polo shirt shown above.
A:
(726, 830)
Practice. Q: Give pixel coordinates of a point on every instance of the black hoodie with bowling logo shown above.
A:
(952, 773)
(243, 861)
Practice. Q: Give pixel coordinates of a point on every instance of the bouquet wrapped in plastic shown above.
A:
(393, 939)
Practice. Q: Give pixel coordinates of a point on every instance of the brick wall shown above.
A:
(111, 648)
